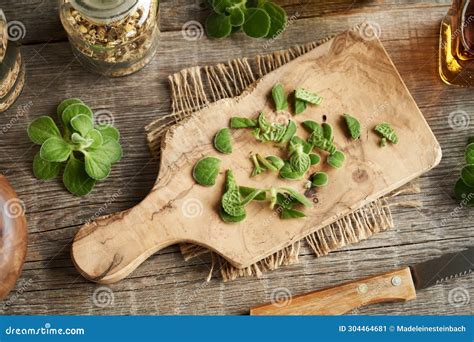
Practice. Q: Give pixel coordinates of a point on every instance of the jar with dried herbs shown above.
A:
(112, 37)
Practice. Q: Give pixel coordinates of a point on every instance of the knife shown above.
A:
(399, 285)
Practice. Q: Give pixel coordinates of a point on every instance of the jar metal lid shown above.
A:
(104, 11)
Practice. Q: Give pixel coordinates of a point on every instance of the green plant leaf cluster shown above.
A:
(88, 150)
(464, 188)
(257, 19)
(274, 132)
(235, 198)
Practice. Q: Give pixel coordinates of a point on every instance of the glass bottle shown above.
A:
(12, 68)
(111, 37)
(456, 49)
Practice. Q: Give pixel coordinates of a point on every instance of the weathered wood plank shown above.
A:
(165, 284)
(41, 18)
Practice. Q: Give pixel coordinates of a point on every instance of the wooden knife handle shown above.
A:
(392, 286)
(13, 237)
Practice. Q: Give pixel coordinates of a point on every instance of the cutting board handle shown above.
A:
(111, 247)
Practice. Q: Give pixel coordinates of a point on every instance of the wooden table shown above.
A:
(166, 284)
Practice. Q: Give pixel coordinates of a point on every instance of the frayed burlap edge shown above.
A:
(194, 88)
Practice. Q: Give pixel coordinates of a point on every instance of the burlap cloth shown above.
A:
(196, 87)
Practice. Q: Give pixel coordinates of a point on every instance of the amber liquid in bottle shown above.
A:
(456, 51)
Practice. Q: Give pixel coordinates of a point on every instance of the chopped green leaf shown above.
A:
(353, 126)
(319, 179)
(336, 159)
(206, 170)
(237, 122)
(307, 96)
(279, 97)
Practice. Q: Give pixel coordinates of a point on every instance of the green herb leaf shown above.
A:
(65, 103)
(237, 17)
(300, 162)
(42, 129)
(319, 179)
(470, 140)
(464, 193)
(108, 131)
(257, 23)
(237, 122)
(296, 140)
(75, 178)
(231, 200)
(277, 162)
(110, 151)
(383, 142)
(206, 170)
(223, 141)
(246, 191)
(327, 132)
(315, 159)
(386, 131)
(82, 123)
(97, 167)
(469, 154)
(55, 149)
(284, 200)
(266, 163)
(467, 175)
(287, 172)
(279, 97)
(76, 138)
(298, 197)
(97, 139)
(278, 19)
(305, 95)
(291, 214)
(336, 159)
(218, 25)
(353, 126)
(221, 6)
(289, 132)
(312, 126)
(300, 106)
(229, 218)
(251, 196)
(74, 110)
(43, 169)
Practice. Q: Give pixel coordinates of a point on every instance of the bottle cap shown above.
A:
(104, 11)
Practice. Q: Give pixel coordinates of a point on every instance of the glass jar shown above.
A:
(12, 68)
(456, 48)
(112, 37)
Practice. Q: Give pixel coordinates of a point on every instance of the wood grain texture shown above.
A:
(388, 287)
(13, 237)
(179, 210)
(165, 284)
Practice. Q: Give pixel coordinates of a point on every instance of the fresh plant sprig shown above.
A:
(88, 150)
(235, 198)
(257, 19)
(464, 188)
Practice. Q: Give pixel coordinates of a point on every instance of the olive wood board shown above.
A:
(354, 75)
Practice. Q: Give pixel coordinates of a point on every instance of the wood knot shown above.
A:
(360, 176)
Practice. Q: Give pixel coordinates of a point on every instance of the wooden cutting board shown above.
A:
(354, 75)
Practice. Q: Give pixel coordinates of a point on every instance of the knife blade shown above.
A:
(398, 285)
